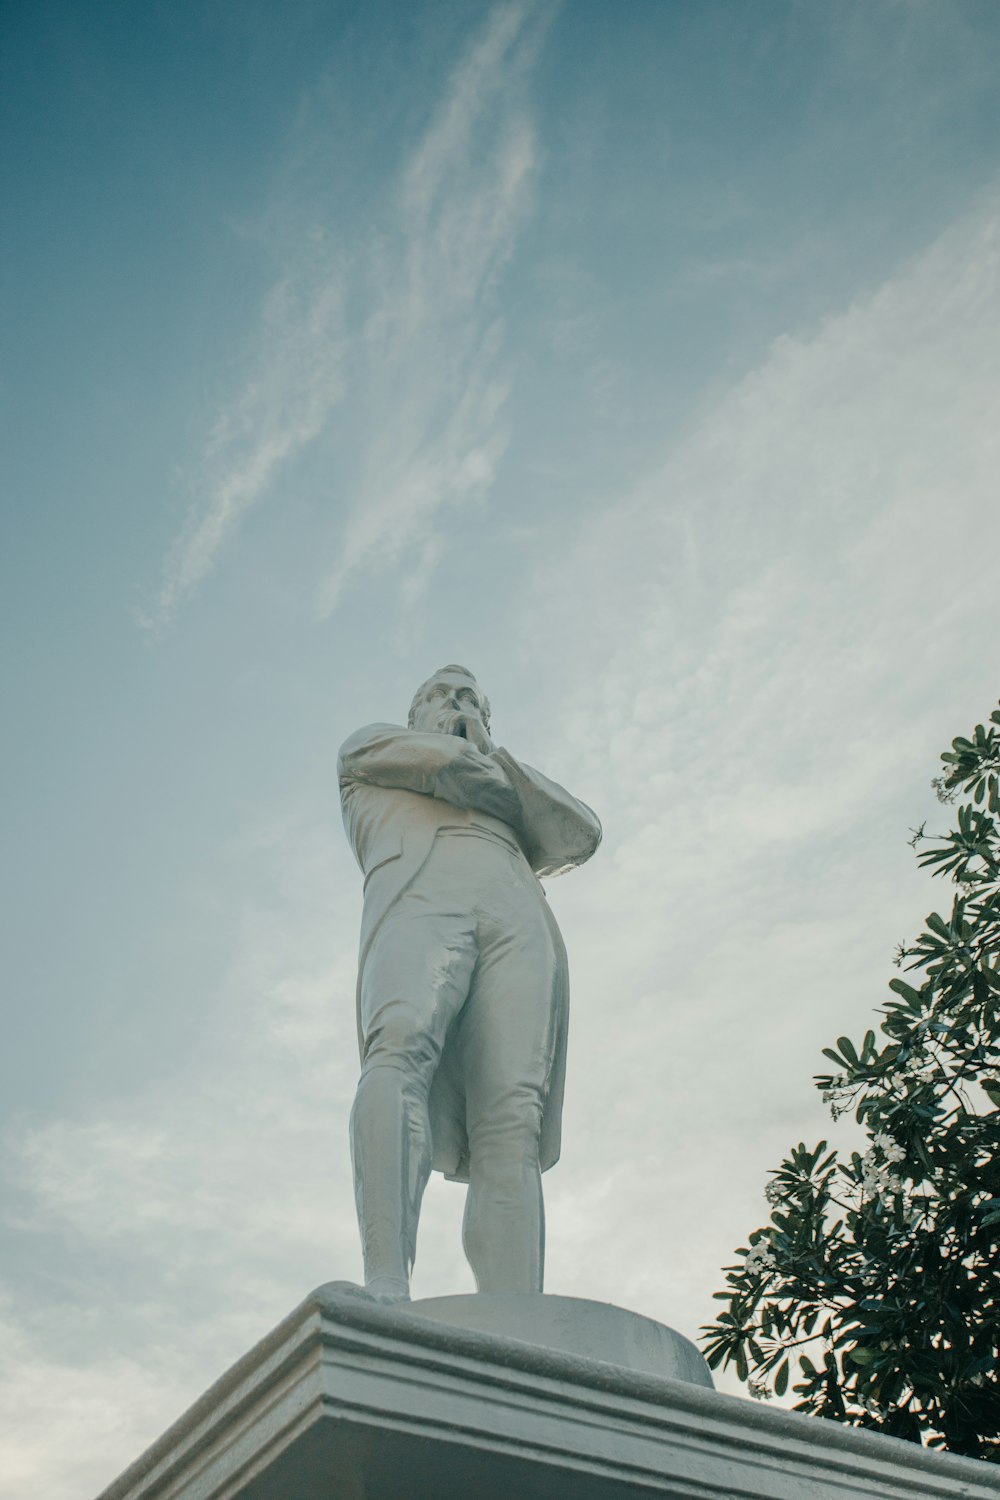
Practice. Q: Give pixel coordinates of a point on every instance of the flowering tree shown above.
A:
(879, 1273)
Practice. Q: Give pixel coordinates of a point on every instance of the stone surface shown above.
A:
(462, 981)
(350, 1400)
(572, 1325)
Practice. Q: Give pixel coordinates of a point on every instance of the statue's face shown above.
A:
(448, 698)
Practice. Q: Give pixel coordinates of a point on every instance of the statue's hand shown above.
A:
(474, 730)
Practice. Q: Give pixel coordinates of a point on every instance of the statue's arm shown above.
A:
(558, 830)
(435, 765)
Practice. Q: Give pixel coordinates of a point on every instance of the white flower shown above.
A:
(759, 1257)
(839, 1087)
(921, 1069)
(876, 1179)
(891, 1187)
(758, 1390)
(772, 1193)
(889, 1146)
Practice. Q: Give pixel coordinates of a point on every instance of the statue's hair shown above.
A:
(452, 666)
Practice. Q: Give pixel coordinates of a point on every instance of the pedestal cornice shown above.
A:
(349, 1400)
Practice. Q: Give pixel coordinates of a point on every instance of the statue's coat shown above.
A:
(399, 787)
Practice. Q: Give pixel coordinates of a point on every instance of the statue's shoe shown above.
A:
(387, 1289)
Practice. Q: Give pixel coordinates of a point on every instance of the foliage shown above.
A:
(879, 1274)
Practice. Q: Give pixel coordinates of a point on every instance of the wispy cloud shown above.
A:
(294, 380)
(764, 650)
(436, 387)
(106, 1407)
(237, 1157)
(417, 322)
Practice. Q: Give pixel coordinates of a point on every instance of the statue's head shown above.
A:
(450, 693)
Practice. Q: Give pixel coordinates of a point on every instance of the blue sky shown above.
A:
(642, 356)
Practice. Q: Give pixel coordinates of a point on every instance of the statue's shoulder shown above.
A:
(368, 736)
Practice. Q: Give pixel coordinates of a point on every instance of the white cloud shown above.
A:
(79, 1418)
(217, 1195)
(428, 385)
(295, 378)
(764, 651)
(436, 387)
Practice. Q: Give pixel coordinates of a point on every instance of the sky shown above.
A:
(641, 357)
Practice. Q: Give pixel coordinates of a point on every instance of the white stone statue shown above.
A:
(462, 982)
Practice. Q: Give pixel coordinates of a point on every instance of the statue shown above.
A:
(462, 982)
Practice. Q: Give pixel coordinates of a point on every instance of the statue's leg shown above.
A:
(503, 1230)
(507, 1039)
(415, 981)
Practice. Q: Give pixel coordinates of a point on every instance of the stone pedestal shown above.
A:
(458, 1398)
(570, 1325)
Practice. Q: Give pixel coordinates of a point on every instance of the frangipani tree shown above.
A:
(878, 1275)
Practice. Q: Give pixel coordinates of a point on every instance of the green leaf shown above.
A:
(781, 1379)
(906, 990)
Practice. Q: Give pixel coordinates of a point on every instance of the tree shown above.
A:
(879, 1273)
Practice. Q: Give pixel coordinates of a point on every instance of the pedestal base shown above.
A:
(572, 1325)
(350, 1400)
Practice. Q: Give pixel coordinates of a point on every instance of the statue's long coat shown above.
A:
(398, 788)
